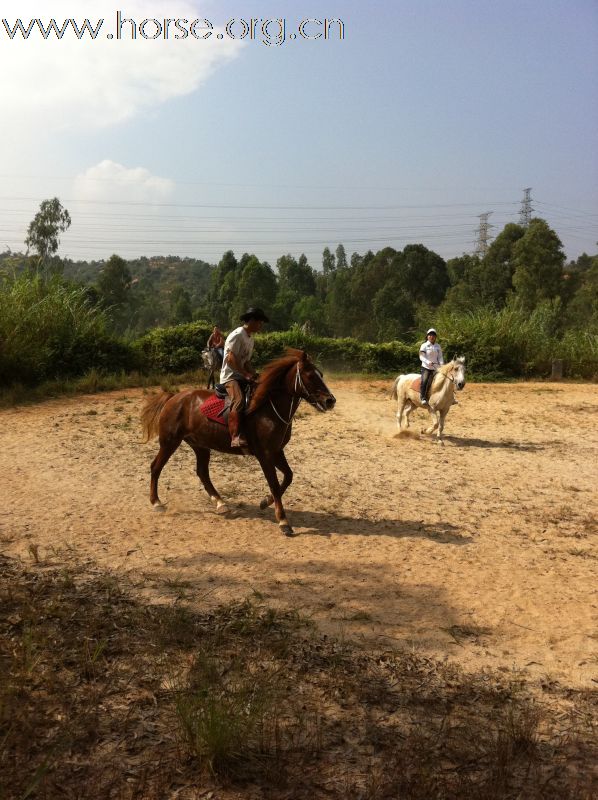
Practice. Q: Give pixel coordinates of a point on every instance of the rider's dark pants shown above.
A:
(427, 377)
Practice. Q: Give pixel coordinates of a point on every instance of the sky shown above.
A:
(421, 117)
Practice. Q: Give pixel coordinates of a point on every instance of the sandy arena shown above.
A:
(482, 551)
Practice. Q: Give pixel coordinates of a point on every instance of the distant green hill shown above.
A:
(157, 282)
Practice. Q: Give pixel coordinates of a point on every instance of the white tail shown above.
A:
(394, 387)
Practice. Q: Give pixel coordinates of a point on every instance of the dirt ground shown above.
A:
(481, 552)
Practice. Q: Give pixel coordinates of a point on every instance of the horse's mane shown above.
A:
(271, 375)
(446, 367)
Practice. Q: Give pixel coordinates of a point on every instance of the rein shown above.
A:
(448, 377)
(299, 385)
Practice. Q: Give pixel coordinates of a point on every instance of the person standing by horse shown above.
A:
(430, 354)
(237, 370)
(216, 342)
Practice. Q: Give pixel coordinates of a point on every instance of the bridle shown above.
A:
(451, 377)
(300, 392)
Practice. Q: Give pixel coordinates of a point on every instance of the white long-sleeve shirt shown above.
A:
(431, 355)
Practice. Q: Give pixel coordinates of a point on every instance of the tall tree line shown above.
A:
(391, 294)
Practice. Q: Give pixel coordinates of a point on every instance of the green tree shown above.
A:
(296, 279)
(367, 279)
(223, 289)
(43, 233)
(487, 282)
(538, 259)
(498, 267)
(114, 286)
(257, 287)
(180, 306)
(310, 310)
(340, 309)
(341, 257)
(582, 312)
(422, 274)
(328, 262)
(296, 276)
(356, 260)
(393, 311)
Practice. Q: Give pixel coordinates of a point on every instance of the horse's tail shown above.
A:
(151, 414)
(395, 385)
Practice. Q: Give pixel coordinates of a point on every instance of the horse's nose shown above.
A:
(330, 402)
(461, 385)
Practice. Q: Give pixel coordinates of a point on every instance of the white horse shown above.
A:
(212, 363)
(446, 381)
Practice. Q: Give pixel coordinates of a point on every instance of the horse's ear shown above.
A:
(304, 357)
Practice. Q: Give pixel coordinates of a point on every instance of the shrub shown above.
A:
(497, 345)
(50, 329)
(174, 349)
(515, 343)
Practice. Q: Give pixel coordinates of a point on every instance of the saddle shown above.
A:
(217, 406)
(216, 409)
(416, 386)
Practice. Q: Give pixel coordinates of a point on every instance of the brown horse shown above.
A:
(268, 422)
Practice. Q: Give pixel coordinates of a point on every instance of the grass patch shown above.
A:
(104, 696)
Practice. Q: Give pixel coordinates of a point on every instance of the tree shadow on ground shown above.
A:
(297, 713)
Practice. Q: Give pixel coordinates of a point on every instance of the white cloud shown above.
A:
(72, 84)
(108, 181)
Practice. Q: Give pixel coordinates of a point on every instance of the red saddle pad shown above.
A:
(212, 409)
(416, 384)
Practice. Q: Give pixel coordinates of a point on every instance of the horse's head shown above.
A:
(206, 357)
(309, 385)
(211, 359)
(459, 372)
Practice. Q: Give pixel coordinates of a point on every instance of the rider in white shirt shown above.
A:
(236, 367)
(430, 354)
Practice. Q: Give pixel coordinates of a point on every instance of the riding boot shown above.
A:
(234, 423)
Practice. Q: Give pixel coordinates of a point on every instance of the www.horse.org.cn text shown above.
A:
(270, 32)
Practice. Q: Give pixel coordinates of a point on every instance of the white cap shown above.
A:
(431, 330)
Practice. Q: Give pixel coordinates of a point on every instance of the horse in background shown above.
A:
(212, 364)
(448, 379)
(268, 422)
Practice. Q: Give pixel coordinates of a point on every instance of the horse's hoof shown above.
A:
(222, 508)
(286, 530)
(267, 501)
(158, 507)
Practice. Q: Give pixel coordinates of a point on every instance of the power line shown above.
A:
(73, 201)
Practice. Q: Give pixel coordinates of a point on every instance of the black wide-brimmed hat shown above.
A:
(254, 313)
